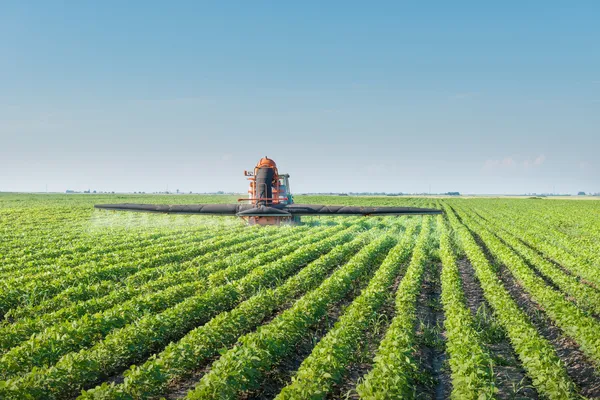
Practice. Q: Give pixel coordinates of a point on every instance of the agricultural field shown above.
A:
(496, 298)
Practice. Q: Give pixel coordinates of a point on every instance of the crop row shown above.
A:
(537, 238)
(330, 358)
(152, 332)
(78, 295)
(13, 294)
(181, 358)
(43, 268)
(538, 357)
(103, 251)
(83, 292)
(242, 367)
(394, 367)
(137, 294)
(94, 249)
(101, 247)
(585, 296)
(572, 320)
(573, 227)
(46, 347)
(471, 365)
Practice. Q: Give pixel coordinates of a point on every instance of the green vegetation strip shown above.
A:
(45, 269)
(566, 229)
(585, 296)
(99, 249)
(471, 366)
(537, 355)
(89, 249)
(134, 342)
(60, 244)
(12, 294)
(79, 294)
(242, 367)
(394, 368)
(137, 295)
(583, 328)
(48, 346)
(181, 358)
(539, 239)
(330, 358)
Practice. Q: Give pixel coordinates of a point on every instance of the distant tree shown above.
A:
(581, 194)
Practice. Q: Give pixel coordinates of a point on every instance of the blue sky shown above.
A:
(346, 96)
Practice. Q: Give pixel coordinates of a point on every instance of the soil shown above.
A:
(510, 377)
(357, 370)
(546, 279)
(179, 388)
(546, 257)
(281, 374)
(434, 382)
(579, 367)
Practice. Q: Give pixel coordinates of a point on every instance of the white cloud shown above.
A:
(505, 163)
(539, 160)
(509, 163)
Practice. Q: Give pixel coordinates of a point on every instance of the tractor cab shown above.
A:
(284, 192)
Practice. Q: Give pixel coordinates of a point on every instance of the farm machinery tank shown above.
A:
(269, 202)
(268, 190)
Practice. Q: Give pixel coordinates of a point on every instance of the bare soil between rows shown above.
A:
(510, 377)
(579, 367)
(357, 370)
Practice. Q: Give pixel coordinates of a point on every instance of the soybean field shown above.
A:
(496, 298)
